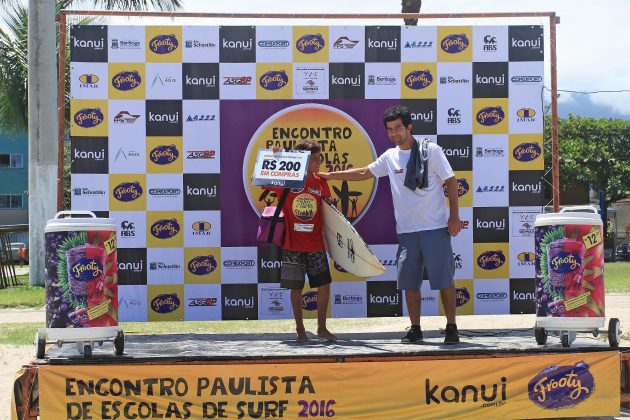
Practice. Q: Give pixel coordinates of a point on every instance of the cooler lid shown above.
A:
(68, 220)
(568, 218)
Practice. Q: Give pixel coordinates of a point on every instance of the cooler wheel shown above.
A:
(541, 335)
(87, 351)
(119, 343)
(564, 339)
(40, 342)
(614, 332)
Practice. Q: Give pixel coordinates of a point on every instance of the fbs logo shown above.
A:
(165, 228)
(165, 303)
(418, 79)
(127, 191)
(310, 44)
(491, 115)
(454, 43)
(489, 43)
(557, 387)
(126, 80)
(454, 116)
(491, 260)
(127, 229)
(274, 80)
(163, 44)
(88, 117)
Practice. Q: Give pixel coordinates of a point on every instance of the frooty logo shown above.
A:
(454, 43)
(165, 303)
(309, 301)
(163, 44)
(202, 265)
(491, 115)
(418, 79)
(526, 152)
(310, 44)
(88, 117)
(274, 80)
(127, 191)
(163, 155)
(491, 260)
(462, 187)
(165, 228)
(565, 262)
(462, 296)
(126, 80)
(86, 269)
(558, 387)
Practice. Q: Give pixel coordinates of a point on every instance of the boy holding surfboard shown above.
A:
(417, 171)
(303, 251)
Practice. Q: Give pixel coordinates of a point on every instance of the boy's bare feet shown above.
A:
(301, 336)
(324, 333)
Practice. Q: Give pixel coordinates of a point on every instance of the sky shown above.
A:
(593, 52)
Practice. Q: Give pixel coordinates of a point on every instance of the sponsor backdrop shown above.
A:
(541, 386)
(166, 122)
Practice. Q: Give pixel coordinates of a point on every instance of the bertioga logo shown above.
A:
(310, 44)
(165, 303)
(418, 79)
(309, 301)
(438, 394)
(557, 387)
(165, 228)
(274, 80)
(86, 269)
(88, 117)
(491, 260)
(491, 115)
(126, 80)
(202, 265)
(163, 155)
(163, 44)
(127, 191)
(565, 262)
(454, 43)
(462, 296)
(526, 152)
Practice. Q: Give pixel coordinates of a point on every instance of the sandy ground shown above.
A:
(13, 357)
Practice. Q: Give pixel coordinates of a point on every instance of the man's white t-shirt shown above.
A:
(422, 209)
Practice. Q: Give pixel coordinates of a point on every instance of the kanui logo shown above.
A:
(269, 264)
(490, 80)
(164, 118)
(423, 112)
(526, 43)
(88, 44)
(344, 43)
(526, 188)
(346, 81)
(201, 192)
(491, 224)
(458, 151)
(132, 269)
(383, 299)
(522, 296)
(382, 44)
(240, 301)
(89, 155)
(237, 44)
(200, 80)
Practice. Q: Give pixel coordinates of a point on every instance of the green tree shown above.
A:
(594, 152)
(14, 53)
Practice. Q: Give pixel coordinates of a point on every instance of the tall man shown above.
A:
(424, 224)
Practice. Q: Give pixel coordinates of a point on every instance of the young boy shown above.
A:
(303, 251)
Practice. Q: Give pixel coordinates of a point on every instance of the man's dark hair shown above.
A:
(310, 145)
(397, 111)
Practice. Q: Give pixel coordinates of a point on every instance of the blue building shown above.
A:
(13, 179)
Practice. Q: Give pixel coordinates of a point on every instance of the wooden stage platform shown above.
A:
(205, 352)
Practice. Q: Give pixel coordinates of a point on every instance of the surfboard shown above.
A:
(346, 247)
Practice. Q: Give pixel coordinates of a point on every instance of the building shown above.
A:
(13, 179)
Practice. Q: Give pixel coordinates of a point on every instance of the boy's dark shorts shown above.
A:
(297, 263)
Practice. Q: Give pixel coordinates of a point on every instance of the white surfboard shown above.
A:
(346, 247)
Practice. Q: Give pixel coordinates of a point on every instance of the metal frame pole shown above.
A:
(61, 105)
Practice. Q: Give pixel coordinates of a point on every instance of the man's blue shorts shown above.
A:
(427, 248)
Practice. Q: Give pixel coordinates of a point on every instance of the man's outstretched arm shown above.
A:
(355, 174)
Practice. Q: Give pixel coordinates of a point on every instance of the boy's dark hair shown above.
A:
(310, 145)
(397, 111)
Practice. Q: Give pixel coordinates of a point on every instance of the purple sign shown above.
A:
(558, 387)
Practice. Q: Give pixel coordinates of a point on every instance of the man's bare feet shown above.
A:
(324, 333)
(301, 337)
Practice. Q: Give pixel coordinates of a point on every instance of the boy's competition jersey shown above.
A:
(303, 215)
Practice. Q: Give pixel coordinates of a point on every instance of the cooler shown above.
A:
(81, 282)
(570, 294)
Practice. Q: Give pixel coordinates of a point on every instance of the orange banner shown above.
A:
(537, 386)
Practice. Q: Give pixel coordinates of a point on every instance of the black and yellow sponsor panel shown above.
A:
(526, 152)
(128, 192)
(491, 260)
(88, 118)
(202, 265)
(454, 43)
(165, 302)
(163, 44)
(165, 229)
